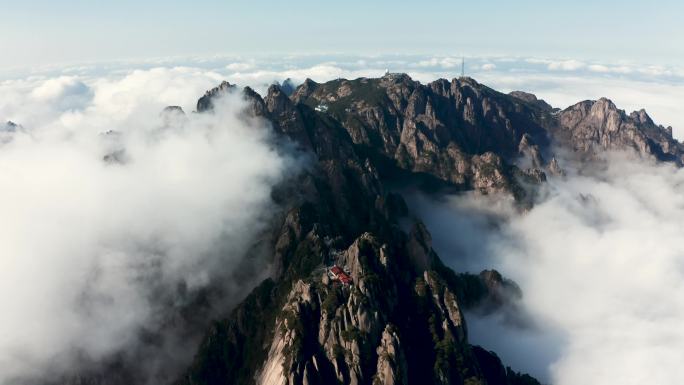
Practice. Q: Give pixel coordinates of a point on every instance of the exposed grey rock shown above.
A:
(205, 103)
(354, 343)
(392, 366)
(173, 110)
(592, 126)
(554, 168)
(530, 152)
(116, 157)
(10, 126)
(9, 130)
(288, 87)
(435, 129)
(173, 116)
(532, 99)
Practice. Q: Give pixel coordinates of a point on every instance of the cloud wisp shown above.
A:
(115, 217)
(600, 263)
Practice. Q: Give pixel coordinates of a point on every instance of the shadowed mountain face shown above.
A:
(401, 321)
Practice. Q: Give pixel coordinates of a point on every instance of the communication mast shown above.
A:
(462, 66)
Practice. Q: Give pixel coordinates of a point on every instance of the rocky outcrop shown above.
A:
(288, 86)
(173, 110)
(8, 130)
(433, 129)
(206, 102)
(554, 168)
(173, 117)
(330, 333)
(592, 126)
(436, 128)
(532, 99)
(530, 153)
(392, 366)
(10, 126)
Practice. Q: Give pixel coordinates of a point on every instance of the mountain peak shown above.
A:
(605, 103)
(398, 77)
(11, 126)
(173, 109)
(590, 125)
(205, 103)
(532, 99)
(641, 116)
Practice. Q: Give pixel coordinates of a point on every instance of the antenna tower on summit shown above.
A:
(462, 66)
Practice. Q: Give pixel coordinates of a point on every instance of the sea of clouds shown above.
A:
(115, 213)
(87, 245)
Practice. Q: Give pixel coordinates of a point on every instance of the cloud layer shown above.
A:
(113, 214)
(601, 265)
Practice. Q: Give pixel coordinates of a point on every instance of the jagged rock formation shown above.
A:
(392, 366)
(530, 152)
(288, 87)
(10, 126)
(205, 103)
(591, 124)
(360, 328)
(532, 99)
(436, 129)
(554, 168)
(401, 322)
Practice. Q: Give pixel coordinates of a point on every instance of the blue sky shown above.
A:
(42, 32)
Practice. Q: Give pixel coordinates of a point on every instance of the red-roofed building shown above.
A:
(338, 274)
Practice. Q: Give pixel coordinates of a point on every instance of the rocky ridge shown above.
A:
(401, 322)
(589, 125)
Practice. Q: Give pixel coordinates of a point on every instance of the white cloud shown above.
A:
(87, 246)
(534, 60)
(240, 66)
(599, 68)
(566, 65)
(619, 69)
(654, 70)
(61, 88)
(116, 97)
(441, 62)
(488, 67)
(600, 264)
